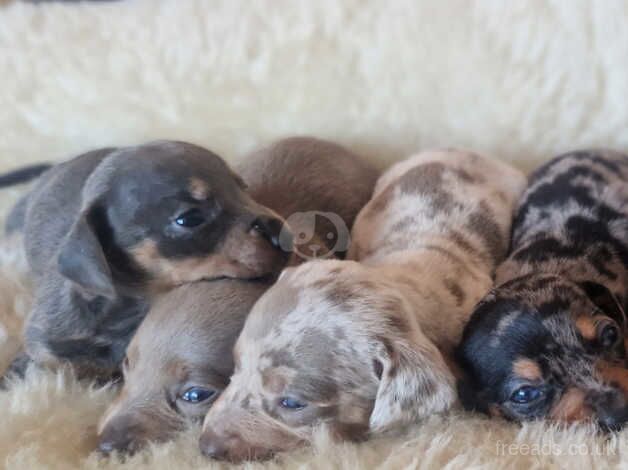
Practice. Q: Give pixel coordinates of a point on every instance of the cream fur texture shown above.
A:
(518, 80)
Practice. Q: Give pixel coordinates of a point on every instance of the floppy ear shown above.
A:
(605, 300)
(415, 383)
(81, 260)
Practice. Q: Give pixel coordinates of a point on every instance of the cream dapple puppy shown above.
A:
(363, 347)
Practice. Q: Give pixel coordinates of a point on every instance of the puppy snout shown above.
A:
(115, 439)
(218, 446)
(230, 447)
(273, 230)
(612, 411)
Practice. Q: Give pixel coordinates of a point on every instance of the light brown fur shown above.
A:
(363, 346)
(187, 337)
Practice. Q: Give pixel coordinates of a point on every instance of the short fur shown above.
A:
(100, 236)
(187, 337)
(556, 322)
(363, 347)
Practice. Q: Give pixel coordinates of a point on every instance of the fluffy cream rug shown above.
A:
(517, 80)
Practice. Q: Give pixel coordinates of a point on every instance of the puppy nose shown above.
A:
(108, 444)
(212, 445)
(271, 229)
(116, 438)
(612, 411)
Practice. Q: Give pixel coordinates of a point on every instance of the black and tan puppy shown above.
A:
(180, 359)
(548, 342)
(107, 228)
(105, 231)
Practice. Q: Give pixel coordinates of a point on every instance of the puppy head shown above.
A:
(166, 213)
(542, 347)
(328, 344)
(178, 362)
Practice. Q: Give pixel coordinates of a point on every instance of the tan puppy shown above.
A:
(178, 362)
(362, 347)
(180, 359)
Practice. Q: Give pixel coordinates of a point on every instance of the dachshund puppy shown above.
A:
(107, 230)
(363, 347)
(548, 342)
(180, 359)
(178, 362)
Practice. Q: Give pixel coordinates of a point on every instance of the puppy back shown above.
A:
(301, 174)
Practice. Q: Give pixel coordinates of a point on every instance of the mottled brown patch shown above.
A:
(279, 357)
(273, 380)
(455, 290)
(527, 369)
(397, 321)
(198, 189)
(460, 240)
(585, 324)
(246, 401)
(402, 225)
(482, 222)
(355, 432)
(426, 178)
(571, 407)
(466, 177)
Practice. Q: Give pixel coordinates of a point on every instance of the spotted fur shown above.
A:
(565, 281)
(364, 345)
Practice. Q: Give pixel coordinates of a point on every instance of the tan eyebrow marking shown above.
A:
(527, 369)
(199, 189)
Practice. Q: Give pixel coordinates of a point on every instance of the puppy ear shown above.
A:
(81, 260)
(415, 382)
(470, 398)
(605, 300)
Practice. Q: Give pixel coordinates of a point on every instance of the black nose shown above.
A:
(212, 445)
(612, 411)
(271, 229)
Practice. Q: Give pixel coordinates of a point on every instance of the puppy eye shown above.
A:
(191, 218)
(526, 394)
(609, 335)
(292, 404)
(197, 394)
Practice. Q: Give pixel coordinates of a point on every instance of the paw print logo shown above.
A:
(315, 235)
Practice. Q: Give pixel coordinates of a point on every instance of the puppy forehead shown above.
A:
(168, 167)
(528, 321)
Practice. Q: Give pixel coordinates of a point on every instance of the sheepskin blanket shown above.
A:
(520, 81)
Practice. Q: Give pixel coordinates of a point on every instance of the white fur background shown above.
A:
(519, 80)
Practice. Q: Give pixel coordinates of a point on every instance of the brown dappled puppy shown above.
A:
(180, 359)
(362, 347)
